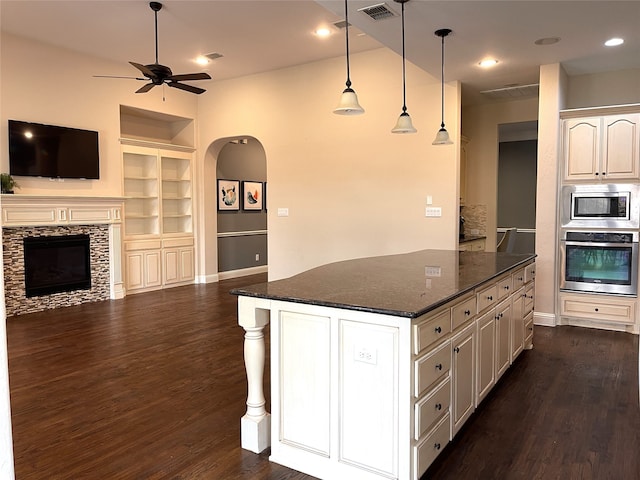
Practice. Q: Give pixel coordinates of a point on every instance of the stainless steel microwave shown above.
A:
(611, 205)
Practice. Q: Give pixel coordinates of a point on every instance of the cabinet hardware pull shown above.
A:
(438, 406)
(596, 309)
(467, 312)
(436, 446)
(489, 297)
(506, 287)
(497, 317)
(457, 349)
(438, 330)
(439, 366)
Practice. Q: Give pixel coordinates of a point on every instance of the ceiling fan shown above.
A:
(159, 74)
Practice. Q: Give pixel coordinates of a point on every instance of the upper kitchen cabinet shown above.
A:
(602, 148)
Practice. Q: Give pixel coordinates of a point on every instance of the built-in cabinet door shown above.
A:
(178, 265)
(463, 374)
(503, 337)
(486, 354)
(621, 142)
(582, 148)
(143, 269)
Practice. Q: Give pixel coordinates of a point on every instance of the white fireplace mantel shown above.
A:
(34, 210)
(26, 210)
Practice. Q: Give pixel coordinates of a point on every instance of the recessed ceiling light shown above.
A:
(488, 62)
(547, 41)
(202, 60)
(322, 32)
(614, 42)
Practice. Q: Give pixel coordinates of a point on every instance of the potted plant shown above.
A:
(7, 183)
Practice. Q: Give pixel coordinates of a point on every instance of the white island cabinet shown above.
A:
(374, 362)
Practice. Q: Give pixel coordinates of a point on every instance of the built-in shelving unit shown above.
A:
(157, 156)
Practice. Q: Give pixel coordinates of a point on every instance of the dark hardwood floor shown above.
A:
(153, 387)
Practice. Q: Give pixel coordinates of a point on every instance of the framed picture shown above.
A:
(228, 194)
(252, 195)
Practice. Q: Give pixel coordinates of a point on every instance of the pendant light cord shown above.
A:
(404, 81)
(346, 20)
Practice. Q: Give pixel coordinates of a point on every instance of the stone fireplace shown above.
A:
(32, 217)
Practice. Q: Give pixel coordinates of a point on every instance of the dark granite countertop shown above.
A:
(405, 285)
(470, 238)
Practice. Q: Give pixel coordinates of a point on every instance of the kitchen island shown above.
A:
(377, 362)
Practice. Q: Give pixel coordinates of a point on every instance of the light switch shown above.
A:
(429, 200)
(433, 212)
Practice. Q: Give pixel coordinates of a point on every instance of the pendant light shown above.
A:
(403, 125)
(442, 137)
(349, 100)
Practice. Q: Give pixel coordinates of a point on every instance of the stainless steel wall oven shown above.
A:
(599, 262)
(607, 205)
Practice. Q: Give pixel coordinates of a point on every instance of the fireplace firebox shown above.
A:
(55, 264)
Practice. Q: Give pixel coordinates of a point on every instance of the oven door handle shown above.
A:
(598, 244)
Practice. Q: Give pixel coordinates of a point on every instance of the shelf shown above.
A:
(134, 216)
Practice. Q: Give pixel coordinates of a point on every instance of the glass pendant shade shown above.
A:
(404, 125)
(348, 103)
(442, 137)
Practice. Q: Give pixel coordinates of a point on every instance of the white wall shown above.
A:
(50, 85)
(353, 189)
(604, 88)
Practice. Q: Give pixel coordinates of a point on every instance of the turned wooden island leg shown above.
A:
(255, 424)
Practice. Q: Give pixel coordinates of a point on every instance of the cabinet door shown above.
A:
(178, 265)
(517, 323)
(143, 269)
(621, 144)
(463, 384)
(503, 337)
(134, 270)
(486, 377)
(582, 149)
(153, 270)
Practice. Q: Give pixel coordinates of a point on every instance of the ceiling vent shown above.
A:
(515, 91)
(341, 24)
(213, 56)
(378, 12)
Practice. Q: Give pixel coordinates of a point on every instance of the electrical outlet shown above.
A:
(283, 212)
(257, 257)
(364, 354)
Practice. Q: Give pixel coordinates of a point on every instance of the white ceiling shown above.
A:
(262, 35)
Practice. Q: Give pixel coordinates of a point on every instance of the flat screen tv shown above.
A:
(51, 151)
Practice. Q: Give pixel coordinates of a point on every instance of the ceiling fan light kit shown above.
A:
(158, 74)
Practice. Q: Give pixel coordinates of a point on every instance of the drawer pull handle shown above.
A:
(521, 279)
(457, 349)
(497, 317)
(467, 312)
(438, 406)
(439, 366)
(506, 287)
(501, 315)
(438, 330)
(596, 309)
(489, 297)
(436, 446)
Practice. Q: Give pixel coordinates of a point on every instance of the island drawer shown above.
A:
(463, 312)
(432, 407)
(430, 331)
(432, 367)
(504, 287)
(487, 297)
(528, 298)
(529, 272)
(518, 279)
(425, 452)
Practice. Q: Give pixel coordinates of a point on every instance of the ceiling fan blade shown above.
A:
(190, 76)
(188, 88)
(146, 88)
(117, 76)
(147, 73)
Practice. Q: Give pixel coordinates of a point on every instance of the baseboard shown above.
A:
(243, 272)
(544, 319)
(213, 278)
